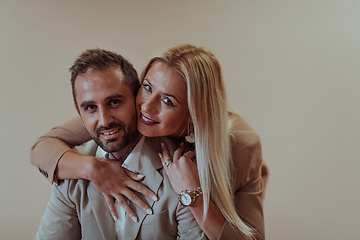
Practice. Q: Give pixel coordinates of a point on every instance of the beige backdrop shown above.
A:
(292, 69)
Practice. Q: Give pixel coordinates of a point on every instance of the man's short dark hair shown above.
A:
(99, 59)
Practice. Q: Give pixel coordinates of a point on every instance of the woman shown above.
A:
(181, 91)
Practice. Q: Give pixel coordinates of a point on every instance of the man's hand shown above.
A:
(113, 181)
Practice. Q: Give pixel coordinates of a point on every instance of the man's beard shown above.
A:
(129, 136)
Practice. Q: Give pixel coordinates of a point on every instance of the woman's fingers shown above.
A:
(179, 152)
(123, 204)
(113, 181)
(139, 187)
(166, 160)
(110, 201)
(191, 155)
(134, 176)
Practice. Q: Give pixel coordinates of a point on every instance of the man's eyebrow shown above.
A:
(86, 103)
(116, 95)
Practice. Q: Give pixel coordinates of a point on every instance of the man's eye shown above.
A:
(167, 101)
(90, 108)
(114, 103)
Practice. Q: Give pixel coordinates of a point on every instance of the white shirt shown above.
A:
(133, 156)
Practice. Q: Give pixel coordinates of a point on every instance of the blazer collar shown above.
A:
(148, 163)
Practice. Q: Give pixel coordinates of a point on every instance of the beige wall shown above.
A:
(292, 70)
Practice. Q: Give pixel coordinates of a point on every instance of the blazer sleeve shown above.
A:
(249, 182)
(60, 220)
(188, 227)
(49, 148)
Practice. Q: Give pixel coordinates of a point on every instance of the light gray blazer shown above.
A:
(77, 210)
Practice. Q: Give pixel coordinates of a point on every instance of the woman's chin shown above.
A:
(145, 132)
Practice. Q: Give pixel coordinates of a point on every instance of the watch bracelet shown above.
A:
(196, 192)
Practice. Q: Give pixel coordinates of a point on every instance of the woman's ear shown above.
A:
(190, 119)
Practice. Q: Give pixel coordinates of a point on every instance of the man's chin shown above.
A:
(111, 145)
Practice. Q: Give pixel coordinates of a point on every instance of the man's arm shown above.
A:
(60, 220)
(52, 153)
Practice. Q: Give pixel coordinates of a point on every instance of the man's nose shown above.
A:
(105, 118)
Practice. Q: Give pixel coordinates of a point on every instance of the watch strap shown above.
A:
(193, 194)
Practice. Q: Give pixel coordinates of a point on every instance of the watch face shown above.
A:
(185, 199)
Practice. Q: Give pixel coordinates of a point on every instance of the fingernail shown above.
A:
(162, 144)
(115, 219)
(140, 176)
(149, 211)
(181, 144)
(155, 198)
(134, 219)
(160, 155)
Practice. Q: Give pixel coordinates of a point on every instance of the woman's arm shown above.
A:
(183, 175)
(249, 179)
(249, 185)
(53, 156)
(49, 149)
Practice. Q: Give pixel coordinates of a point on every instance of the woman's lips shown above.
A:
(146, 121)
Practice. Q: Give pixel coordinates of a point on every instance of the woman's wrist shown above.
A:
(73, 165)
(90, 166)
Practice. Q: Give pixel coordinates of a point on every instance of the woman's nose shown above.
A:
(150, 105)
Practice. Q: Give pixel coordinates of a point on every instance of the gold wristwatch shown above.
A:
(187, 197)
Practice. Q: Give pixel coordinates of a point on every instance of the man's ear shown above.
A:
(77, 109)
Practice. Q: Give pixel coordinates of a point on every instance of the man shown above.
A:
(104, 88)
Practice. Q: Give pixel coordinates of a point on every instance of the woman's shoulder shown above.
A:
(246, 153)
(241, 133)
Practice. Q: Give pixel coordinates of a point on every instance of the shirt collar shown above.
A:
(134, 155)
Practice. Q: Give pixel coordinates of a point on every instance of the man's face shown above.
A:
(107, 108)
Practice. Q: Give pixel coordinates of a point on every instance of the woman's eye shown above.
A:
(147, 87)
(167, 101)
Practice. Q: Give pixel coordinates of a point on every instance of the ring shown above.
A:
(167, 162)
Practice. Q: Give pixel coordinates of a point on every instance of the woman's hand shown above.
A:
(113, 181)
(182, 171)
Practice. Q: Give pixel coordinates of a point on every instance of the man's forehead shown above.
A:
(101, 84)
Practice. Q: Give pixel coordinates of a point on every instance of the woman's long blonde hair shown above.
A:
(208, 107)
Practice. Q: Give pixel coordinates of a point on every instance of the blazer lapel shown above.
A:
(148, 164)
(101, 213)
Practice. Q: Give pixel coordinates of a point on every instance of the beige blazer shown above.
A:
(250, 172)
(77, 210)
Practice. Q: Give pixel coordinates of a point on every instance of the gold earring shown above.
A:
(190, 138)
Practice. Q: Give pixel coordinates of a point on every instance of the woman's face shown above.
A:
(161, 103)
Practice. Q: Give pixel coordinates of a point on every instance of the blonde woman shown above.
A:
(183, 96)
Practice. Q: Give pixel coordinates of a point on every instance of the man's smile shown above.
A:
(110, 134)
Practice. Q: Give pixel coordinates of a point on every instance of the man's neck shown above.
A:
(124, 153)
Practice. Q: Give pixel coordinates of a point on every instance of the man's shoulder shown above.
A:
(87, 148)
(71, 189)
